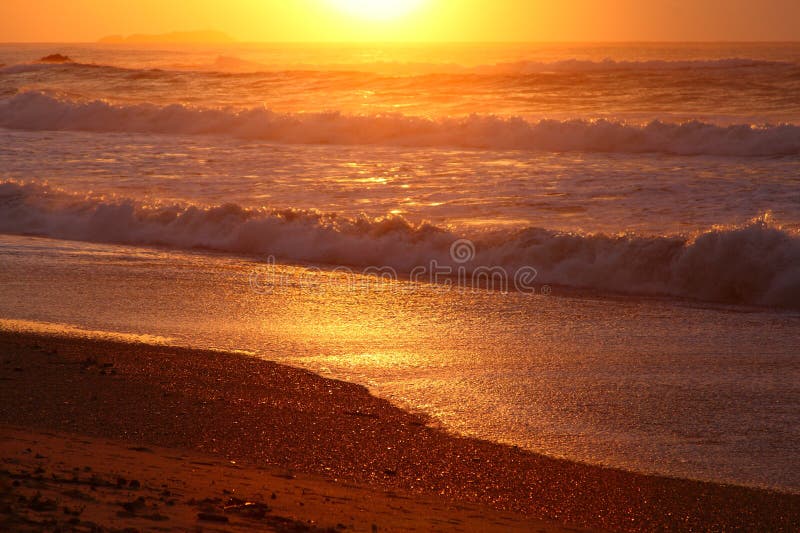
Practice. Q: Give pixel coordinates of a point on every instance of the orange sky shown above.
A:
(434, 20)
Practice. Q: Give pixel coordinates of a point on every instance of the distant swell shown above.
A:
(37, 111)
(757, 263)
(611, 65)
(232, 64)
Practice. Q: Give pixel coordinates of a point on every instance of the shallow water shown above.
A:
(650, 385)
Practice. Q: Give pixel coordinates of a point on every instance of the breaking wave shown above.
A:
(756, 263)
(38, 111)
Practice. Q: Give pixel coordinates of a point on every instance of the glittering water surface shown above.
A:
(649, 385)
(646, 193)
(711, 82)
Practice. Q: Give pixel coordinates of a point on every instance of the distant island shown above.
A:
(184, 37)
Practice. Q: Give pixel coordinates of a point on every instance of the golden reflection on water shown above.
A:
(376, 359)
(358, 320)
(68, 330)
(618, 381)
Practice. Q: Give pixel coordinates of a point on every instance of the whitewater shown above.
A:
(37, 111)
(756, 263)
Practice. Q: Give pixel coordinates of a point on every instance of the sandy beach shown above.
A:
(52, 481)
(210, 436)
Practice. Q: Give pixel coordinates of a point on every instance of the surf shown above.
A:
(754, 263)
(42, 112)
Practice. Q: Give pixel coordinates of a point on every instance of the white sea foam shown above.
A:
(756, 263)
(38, 111)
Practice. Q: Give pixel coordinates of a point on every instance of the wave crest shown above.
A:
(37, 111)
(756, 263)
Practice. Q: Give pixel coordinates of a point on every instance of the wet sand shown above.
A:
(51, 481)
(289, 421)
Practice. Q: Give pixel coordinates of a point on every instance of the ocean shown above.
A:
(614, 229)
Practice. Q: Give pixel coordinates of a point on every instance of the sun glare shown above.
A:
(377, 9)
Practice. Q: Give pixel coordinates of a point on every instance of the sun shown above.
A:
(377, 9)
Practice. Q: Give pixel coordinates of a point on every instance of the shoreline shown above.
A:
(262, 413)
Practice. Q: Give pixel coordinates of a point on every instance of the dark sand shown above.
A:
(58, 481)
(258, 413)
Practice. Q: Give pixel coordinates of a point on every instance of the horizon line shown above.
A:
(610, 41)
